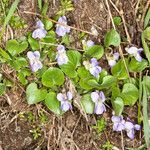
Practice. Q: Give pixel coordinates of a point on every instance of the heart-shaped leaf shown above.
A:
(129, 94)
(119, 70)
(112, 38)
(74, 61)
(95, 51)
(118, 106)
(52, 77)
(52, 103)
(135, 66)
(35, 95)
(87, 104)
(14, 47)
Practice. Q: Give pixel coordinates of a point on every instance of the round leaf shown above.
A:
(112, 38)
(95, 51)
(34, 95)
(129, 94)
(52, 77)
(52, 103)
(87, 104)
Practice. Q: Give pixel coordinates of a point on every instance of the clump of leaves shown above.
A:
(36, 132)
(66, 6)
(100, 125)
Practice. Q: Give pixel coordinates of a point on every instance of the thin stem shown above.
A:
(120, 49)
(62, 24)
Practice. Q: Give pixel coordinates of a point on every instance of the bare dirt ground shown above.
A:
(72, 131)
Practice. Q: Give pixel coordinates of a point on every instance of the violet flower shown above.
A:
(135, 52)
(34, 58)
(112, 60)
(61, 56)
(60, 29)
(88, 43)
(65, 100)
(118, 123)
(40, 32)
(130, 128)
(98, 98)
(93, 67)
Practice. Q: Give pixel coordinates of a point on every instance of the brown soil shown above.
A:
(72, 131)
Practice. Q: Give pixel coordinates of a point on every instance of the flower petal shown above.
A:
(65, 106)
(30, 55)
(60, 97)
(116, 56)
(94, 97)
(102, 96)
(60, 48)
(137, 127)
(138, 57)
(99, 108)
(69, 95)
(39, 33)
(95, 71)
(89, 43)
(111, 63)
(35, 65)
(37, 54)
(130, 134)
(131, 50)
(39, 24)
(129, 125)
(94, 62)
(116, 119)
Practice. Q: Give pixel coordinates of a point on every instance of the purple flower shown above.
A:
(135, 52)
(40, 32)
(35, 62)
(112, 60)
(118, 123)
(61, 56)
(65, 100)
(88, 43)
(130, 128)
(98, 98)
(93, 67)
(62, 30)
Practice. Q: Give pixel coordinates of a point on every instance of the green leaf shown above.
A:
(74, 61)
(118, 106)
(33, 43)
(108, 81)
(117, 20)
(83, 73)
(87, 104)
(4, 54)
(95, 51)
(66, 40)
(146, 83)
(35, 95)
(115, 92)
(136, 66)
(2, 89)
(129, 94)
(119, 70)
(146, 47)
(52, 103)
(19, 63)
(147, 19)
(9, 15)
(112, 38)
(52, 77)
(145, 118)
(48, 24)
(146, 33)
(14, 47)
(50, 37)
(40, 4)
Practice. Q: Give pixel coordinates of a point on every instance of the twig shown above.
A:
(122, 143)
(62, 24)
(120, 49)
(144, 11)
(120, 12)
